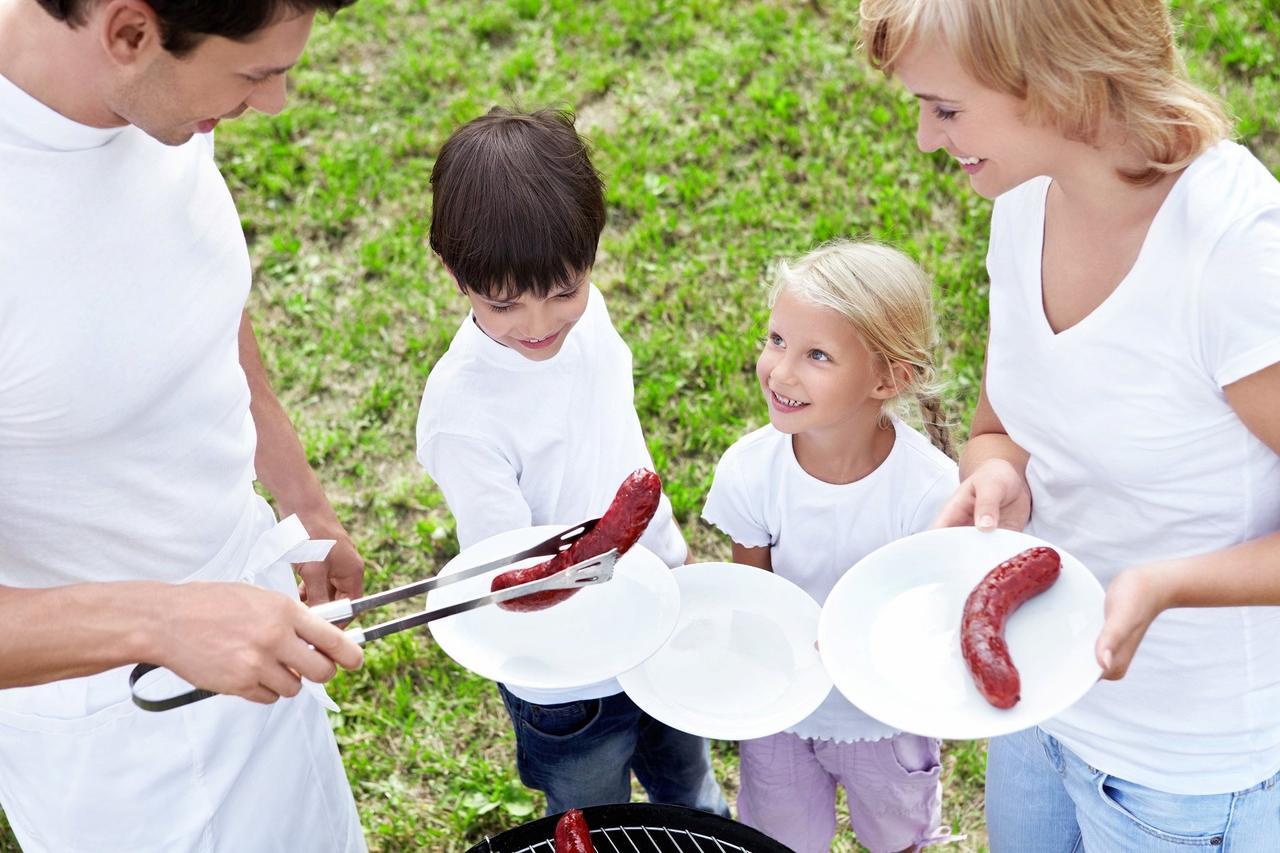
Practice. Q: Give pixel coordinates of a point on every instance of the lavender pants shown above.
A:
(788, 790)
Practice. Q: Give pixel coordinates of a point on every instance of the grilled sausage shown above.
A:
(620, 526)
(572, 833)
(1002, 591)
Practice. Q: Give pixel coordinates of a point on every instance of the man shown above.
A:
(134, 417)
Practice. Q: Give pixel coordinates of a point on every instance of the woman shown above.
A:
(1128, 409)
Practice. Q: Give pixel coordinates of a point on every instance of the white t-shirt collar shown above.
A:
(32, 124)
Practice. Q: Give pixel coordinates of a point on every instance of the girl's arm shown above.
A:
(758, 557)
(1244, 574)
(993, 476)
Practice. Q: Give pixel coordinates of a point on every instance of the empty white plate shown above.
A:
(741, 662)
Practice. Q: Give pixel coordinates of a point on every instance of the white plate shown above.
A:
(891, 635)
(741, 662)
(599, 632)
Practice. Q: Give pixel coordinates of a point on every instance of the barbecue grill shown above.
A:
(640, 828)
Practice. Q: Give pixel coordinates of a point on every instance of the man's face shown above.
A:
(174, 97)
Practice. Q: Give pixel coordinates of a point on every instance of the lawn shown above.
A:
(729, 134)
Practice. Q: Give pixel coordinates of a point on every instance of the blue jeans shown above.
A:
(1042, 798)
(582, 754)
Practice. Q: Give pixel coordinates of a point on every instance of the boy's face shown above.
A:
(532, 326)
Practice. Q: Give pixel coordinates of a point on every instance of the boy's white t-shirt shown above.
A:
(126, 443)
(1136, 456)
(514, 443)
(816, 531)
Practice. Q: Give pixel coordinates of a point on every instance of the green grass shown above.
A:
(729, 133)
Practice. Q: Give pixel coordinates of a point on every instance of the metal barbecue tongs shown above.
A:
(157, 689)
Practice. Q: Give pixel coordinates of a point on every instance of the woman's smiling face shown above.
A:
(981, 128)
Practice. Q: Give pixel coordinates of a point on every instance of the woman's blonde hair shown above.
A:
(888, 299)
(1081, 66)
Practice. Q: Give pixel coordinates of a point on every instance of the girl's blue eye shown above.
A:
(819, 355)
(773, 338)
(944, 114)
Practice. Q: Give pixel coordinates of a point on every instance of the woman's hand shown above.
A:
(1135, 597)
(994, 495)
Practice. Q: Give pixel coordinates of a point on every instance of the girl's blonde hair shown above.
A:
(1081, 66)
(888, 299)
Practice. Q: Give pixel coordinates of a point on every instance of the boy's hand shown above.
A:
(341, 574)
(994, 495)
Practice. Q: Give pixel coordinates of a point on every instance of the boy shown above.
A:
(529, 419)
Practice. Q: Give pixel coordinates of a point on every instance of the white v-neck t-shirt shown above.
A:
(816, 531)
(514, 443)
(1137, 456)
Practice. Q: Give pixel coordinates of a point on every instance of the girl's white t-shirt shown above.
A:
(1137, 456)
(816, 531)
(126, 443)
(513, 442)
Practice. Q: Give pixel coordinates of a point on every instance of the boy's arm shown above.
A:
(479, 485)
(758, 557)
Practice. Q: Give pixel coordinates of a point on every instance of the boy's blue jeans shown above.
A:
(582, 754)
(1042, 797)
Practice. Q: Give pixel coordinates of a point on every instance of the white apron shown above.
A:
(83, 770)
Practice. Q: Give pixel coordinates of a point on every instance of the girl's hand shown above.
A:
(1135, 597)
(994, 495)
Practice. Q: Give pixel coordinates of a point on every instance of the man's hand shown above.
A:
(994, 495)
(242, 640)
(341, 574)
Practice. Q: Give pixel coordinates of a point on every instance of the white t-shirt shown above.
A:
(1137, 456)
(816, 531)
(513, 442)
(126, 444)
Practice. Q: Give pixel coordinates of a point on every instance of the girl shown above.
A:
(833, 477)
(1129, 406)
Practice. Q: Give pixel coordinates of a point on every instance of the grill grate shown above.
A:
(646, 839)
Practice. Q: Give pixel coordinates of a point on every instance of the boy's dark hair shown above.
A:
(516, 205)
(184, 23)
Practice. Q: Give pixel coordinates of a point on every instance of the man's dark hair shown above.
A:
(184, 23)
(516, 205)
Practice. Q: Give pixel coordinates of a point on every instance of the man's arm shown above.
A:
(227, 637)
(283, 468)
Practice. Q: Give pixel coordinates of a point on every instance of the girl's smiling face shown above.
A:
(981, 128)
(532, 326)
(815, 370)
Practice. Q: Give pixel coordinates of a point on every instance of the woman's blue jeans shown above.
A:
(1042, 798)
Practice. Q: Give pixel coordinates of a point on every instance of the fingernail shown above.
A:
(986, 522)
(1106, 659)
